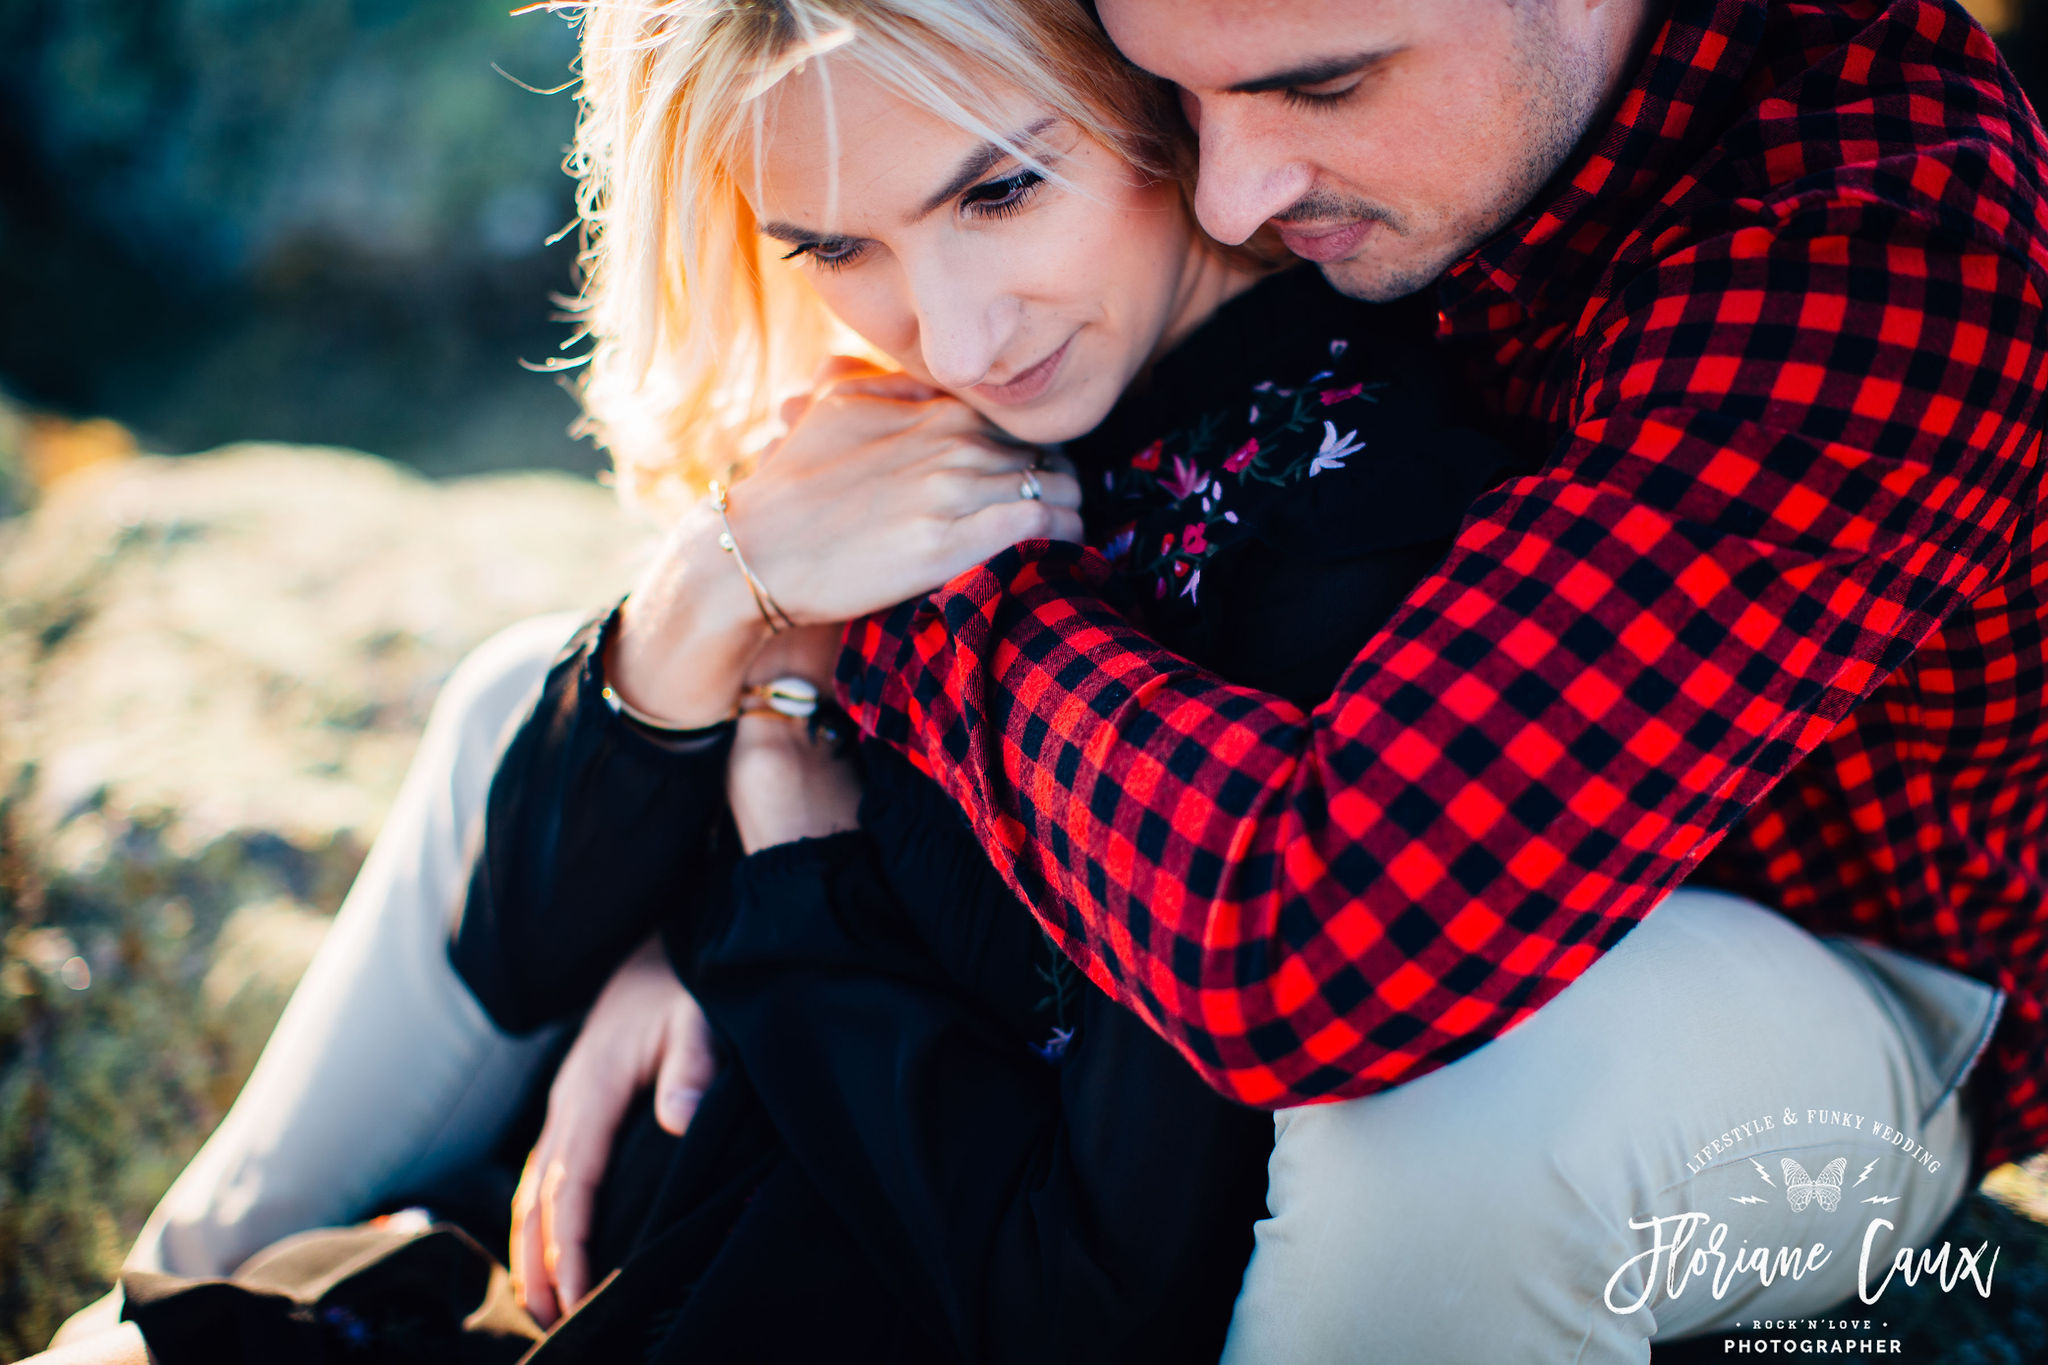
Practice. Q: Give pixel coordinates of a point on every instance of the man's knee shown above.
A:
(1393, 1241)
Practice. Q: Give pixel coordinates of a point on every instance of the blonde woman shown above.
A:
(924, 1137)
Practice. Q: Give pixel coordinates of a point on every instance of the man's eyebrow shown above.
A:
(1309, 73)
(979, 163)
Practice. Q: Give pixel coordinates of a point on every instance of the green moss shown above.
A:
(106, 1091)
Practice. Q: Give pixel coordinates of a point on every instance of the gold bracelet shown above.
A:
(655, 725)
(778, 620)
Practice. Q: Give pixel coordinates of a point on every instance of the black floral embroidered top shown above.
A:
(1274, 506)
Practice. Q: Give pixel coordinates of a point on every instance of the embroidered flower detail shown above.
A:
(1335, 450)
(1185, 481)
(1253, 419)
(1263, 386)
(1242, 456)
(1120, 544)
(353, 1330)
(1339, 347)
(1166, 543)
(1193, 583)
(1195, 539)
(1148, 458)
(1055, 1046)
(1332, 397)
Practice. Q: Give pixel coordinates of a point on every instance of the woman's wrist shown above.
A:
(783, 785)
(686, 632)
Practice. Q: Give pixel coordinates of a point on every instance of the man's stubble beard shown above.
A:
(1563, 89)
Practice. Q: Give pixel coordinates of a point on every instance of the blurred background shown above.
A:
(321, 221)
(241, 242)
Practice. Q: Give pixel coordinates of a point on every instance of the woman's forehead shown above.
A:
(834, 137)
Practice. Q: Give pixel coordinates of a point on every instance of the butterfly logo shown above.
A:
(1824, 1189)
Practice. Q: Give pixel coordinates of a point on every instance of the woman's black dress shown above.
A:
(930, 1138)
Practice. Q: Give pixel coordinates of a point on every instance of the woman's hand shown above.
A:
(780, 785)
(644, 1028)
(882, 490)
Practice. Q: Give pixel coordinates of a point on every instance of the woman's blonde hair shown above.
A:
(695, 327)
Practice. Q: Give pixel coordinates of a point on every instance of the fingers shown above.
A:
(1009, 485)
(1061, 490)
(1003, 524)
(901, 388)
(551, 1211)
(568, 1190)
(530, 1279)
(834, 368)
(687, 1066)
(795, 406)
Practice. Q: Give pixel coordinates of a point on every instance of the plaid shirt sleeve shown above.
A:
(1792, 447)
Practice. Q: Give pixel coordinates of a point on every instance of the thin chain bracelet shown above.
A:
(778, 620)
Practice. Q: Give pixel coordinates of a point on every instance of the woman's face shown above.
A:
(1034, 302)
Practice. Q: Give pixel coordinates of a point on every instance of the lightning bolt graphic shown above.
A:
(1882, 1199)
(1764, 1173)
(1866, 1172)
(1745, 1199)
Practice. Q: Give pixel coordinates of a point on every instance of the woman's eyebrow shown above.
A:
(1309, 73)
(791, 233)
(979, 163)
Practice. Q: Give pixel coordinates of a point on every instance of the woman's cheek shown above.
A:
(875, 310)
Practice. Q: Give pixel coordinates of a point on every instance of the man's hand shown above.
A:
(644, 1028)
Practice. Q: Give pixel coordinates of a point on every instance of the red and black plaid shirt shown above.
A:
(1781, 587)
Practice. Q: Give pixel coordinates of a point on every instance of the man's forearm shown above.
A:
(1617, 658)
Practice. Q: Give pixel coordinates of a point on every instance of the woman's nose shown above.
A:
(964, 329)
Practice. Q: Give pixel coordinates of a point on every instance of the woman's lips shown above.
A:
(1028, 385)
(1323, 245)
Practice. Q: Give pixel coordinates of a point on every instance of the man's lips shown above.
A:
(1325, 244)
(1029, 384)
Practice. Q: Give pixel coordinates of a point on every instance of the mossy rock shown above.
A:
(213, 670)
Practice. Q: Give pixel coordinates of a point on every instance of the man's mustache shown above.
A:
(1319, 206)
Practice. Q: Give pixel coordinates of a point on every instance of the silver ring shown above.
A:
(1032, 491)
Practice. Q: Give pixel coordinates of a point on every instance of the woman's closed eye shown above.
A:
(997, 198)
(1003, 197)
(833, 253)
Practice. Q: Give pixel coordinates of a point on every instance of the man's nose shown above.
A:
(1245, 175)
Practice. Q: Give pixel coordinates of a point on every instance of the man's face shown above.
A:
(1383, 138)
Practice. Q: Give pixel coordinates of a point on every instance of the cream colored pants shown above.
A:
(1719, 1068)
(1481, 1213)
(383, 1071)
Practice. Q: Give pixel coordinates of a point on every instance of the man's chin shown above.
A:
(1375, 281)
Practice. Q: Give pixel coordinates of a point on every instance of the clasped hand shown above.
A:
(882, 489)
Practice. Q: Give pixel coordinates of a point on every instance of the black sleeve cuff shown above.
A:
(592, 832)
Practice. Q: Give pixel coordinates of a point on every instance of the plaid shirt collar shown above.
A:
(1687, 86)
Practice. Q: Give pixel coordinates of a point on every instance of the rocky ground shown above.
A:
(212, 673)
